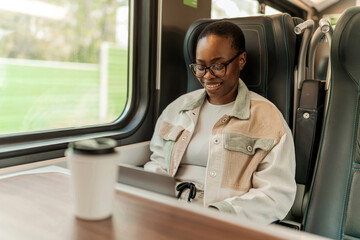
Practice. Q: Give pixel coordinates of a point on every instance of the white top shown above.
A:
(193, 164)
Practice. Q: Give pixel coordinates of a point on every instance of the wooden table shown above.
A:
(39, 206)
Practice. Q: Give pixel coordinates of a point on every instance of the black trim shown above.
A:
(136, 125)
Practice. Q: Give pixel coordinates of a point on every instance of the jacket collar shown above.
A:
(241, 107)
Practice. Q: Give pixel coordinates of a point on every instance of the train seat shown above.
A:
(333, 210)
(310, 101)
(271, 47)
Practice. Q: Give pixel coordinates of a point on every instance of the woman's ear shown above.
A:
(242, 60)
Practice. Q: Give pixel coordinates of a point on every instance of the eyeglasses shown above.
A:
(216, 69)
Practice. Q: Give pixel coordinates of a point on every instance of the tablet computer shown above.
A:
(151, 181)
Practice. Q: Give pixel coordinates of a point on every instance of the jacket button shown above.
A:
(224, 120)
(183, 138)
(216, 141)
(249, 148)
(213, 174)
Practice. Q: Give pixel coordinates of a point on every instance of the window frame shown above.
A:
(20, 148)
(287, 7)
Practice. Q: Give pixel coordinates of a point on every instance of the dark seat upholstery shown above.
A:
(271, 57)
(334, 209)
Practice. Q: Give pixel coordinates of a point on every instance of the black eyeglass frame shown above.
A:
(209, 67)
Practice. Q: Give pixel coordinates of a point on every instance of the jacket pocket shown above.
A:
(242, 158)
(246, 144)
(170, 132)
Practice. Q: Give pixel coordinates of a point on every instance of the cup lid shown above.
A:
(94, 146)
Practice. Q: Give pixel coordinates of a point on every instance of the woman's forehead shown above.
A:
(215, 40)
(214, 46)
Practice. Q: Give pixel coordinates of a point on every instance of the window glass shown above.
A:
(63, 63)
(237, 8)
(270, 11)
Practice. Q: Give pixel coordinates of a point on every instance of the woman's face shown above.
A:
(216, 49)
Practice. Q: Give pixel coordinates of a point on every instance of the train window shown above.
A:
(63, 63)
(239, 8)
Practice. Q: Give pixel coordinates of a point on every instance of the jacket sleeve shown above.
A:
(273, 187)
(157, 160)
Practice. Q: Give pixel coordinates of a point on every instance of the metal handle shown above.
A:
(325, 25)
(300, 28)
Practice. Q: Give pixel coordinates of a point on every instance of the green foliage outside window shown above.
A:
(51, 70)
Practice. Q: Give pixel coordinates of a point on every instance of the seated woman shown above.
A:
(230, 147)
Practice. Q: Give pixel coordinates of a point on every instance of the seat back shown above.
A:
(310, 97)
(271, 47)
(334, 210)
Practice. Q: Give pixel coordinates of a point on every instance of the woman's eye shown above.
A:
(200, 68)
(217, 67)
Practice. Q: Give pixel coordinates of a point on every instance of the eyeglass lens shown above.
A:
(218, 70)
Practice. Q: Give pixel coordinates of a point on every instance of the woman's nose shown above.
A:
(208, 74)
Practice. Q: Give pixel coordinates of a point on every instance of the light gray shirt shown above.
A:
(193, 164)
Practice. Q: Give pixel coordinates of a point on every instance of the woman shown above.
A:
(229, 143)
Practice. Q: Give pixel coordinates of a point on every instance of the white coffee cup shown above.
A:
(93, 167)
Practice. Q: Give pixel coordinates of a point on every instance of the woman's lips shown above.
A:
(212, 86)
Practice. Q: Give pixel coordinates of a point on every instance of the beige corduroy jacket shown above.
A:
(251, 161)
